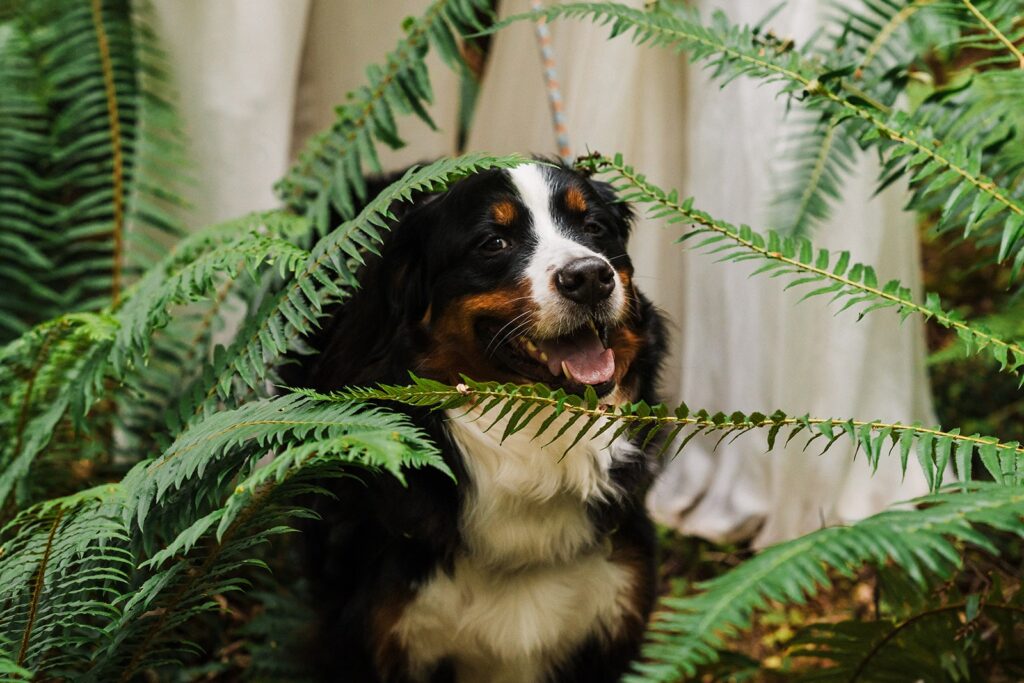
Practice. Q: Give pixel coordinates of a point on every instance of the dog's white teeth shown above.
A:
(567, 373)
(533, 350)
(593, 327)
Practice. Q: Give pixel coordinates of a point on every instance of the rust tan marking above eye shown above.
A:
(504, 213)
(575, 201)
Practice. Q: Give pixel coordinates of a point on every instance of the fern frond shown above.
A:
(76, 128)
(326, 276)
(1003, 32)
(879, 38)
(52, 371)
(214, 443)
(813, 173)
(881, 35)
(250, 504)
(329, 173)
(555, 413)
(855, 285)
(730, 51)
(63, 563)
(192, 273)
(899, 650)
(923, 542)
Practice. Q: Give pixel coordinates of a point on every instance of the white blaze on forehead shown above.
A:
(553, 251)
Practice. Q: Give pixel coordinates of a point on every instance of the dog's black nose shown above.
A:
(588, 281)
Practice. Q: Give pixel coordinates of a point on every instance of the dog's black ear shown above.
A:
(374, 336)
(622, 211)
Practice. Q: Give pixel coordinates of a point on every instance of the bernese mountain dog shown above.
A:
(538, 564)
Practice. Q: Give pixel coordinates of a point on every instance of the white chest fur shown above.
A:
(534, 580)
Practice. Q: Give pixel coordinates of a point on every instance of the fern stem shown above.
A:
(117, 174)
(657, 197)
(999, 35)
(877, 647)
(418, 396)
(887, 31)
(37, 588)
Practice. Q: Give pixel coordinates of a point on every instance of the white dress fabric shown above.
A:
(252, 72)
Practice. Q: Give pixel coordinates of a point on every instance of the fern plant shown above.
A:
(89, 157)
(125, 566)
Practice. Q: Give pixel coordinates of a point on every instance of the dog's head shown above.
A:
(515, 276)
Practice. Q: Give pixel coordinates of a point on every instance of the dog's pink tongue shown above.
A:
(586, 358)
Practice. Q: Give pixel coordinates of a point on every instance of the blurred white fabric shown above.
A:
(739, 343)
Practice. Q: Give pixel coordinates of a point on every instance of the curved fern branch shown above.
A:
(887, 31)
(996, 33)
(37, 588)
(62, 563)
(865, 659)
(857, 284)
(732, 51)
(206, 547)
(55, 369)
(514, 407)
(330, 172)
(687, 632)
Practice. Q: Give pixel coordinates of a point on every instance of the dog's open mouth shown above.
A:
(572, 361)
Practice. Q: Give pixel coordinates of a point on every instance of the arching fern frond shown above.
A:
(923, 542)
(554, 413)
(63, 564)
(982, 627)
(54, 375)
(89, 157)
(853, 284)
(937, 166)
(216, 529)
(49, 377)
(214, 444)
(992, 27)
(813, 169)
(329, 174)
(191, 277)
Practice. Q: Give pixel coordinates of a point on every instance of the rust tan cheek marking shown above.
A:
(575, 201)
(625, 279)
(626, 343)
(454, 348)
(504, 213)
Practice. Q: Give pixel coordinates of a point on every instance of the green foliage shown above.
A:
(907, 144)
(514, 407)
(111, 576)
(88, 157)
(855, 285)
(194, 469)
(329, 174)
(922, 542)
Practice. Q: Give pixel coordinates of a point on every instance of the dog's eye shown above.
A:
(493, 245)
(592, 228)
